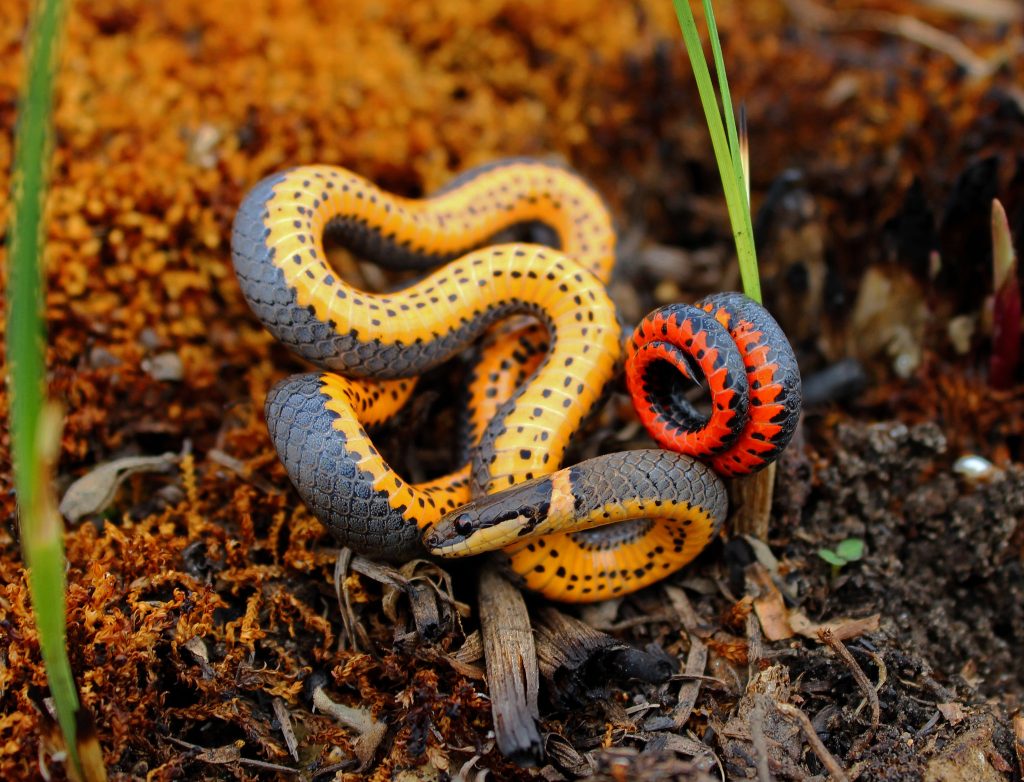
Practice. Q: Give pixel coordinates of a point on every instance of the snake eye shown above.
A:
(464, 524)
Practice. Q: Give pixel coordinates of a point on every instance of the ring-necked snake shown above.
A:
(663, 507)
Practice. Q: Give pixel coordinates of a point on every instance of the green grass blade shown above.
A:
(735, 145)
(724, 142)
(34, 431)
(723, 89)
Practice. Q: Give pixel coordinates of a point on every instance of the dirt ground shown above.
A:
(216, 631)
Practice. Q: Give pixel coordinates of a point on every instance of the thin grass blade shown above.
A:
(754, 492)
(35, 424)
(735, 144)
(726, 155)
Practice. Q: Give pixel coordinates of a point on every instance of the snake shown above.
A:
(604, 527)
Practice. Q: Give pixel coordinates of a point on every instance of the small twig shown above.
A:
(371, 731)
(684, 610)
(401, 579)
(995, 11)
(758, 740)
(720, 765)
(899, 25)
(755, 644)
(359, 720)
(634, 621)
(883, 671)
(285, 720)
(696, 662)
(686, 677)
(924, 729)
(219, 756)
(241, 469)
(942, 693)
(376, 571)
(348, 614)
(828, 638)
(827, 759)
(930, 37)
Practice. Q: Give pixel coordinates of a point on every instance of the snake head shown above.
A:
(492, 522)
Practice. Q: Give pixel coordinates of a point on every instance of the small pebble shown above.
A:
(976, 469)
(101, 358)
(164, 366)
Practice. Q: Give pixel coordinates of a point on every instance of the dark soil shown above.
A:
(945, 564)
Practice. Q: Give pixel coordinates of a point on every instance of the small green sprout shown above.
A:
(845, 552)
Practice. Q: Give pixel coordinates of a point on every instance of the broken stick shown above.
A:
(751, 496)
(578, 662)
(511, 659)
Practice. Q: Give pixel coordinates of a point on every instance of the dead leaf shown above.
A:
(769, 605)
(843, 628)
(95, 490)
(953, 713)
(778, 622)
(438, 758)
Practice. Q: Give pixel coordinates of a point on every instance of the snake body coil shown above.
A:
(583, 533)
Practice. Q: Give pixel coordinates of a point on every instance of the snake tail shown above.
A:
(750, 369)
